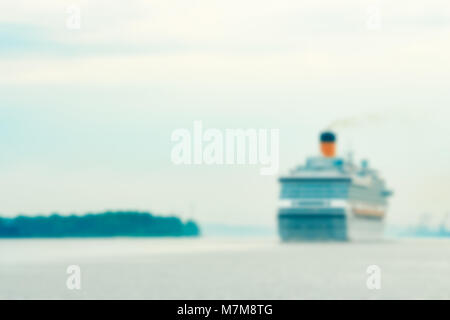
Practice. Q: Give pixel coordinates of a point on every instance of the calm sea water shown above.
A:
(208, 268)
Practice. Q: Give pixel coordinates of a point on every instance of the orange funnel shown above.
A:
(328, 144)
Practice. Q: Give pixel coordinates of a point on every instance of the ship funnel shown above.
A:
(328, 144)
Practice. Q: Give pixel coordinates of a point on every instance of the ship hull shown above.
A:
(314, 226)
(364, 228)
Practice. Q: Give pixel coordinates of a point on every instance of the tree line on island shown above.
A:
(106, 224)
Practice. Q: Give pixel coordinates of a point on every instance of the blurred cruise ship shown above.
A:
(331, 198)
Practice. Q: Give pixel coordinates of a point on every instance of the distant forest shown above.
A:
(107, 224)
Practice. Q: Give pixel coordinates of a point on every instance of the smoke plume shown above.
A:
(355, 121)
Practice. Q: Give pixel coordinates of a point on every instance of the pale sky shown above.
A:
(87, 114)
